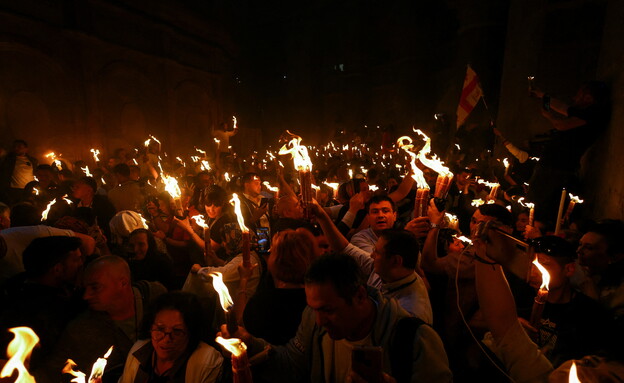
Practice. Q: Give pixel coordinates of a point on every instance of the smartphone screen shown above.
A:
(264, 244)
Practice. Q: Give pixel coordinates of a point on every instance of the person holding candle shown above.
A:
(169, 349)
(342, 314)
(571, 324)
(381, 216)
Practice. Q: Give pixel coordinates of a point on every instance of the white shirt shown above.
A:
(22, 173)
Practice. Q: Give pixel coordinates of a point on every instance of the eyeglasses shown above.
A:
(553, 246)
(175, 334)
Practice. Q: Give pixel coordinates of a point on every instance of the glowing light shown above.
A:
(226, 176)
(199, 220)
(545, 275)
(239, 214)
(233, 345)
(86, 171)
(575, 199)
(463, 239)
(477, 202)
(205, 166)
(44, 214)
(234, 122)
(222, 290)
(432, 163)
(171, 186)
(299, 153)
(573, 377)
(79, 377)
(418, 176)
(96, 153)
(18, 351)
(271, 188)
(98, 367)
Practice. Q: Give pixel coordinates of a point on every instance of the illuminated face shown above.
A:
(478, 218)
(593, 252)
(102, 289)
(521, 222)
(456, 247)
(253, 187)
(139, 245)
(214, 211)
(333, 313)
(381, 216)
(169, 335)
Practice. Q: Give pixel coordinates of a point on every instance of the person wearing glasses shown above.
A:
(170, 349)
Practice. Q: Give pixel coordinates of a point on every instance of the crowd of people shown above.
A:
(109, 256)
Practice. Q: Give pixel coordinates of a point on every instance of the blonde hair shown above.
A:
(292, 252)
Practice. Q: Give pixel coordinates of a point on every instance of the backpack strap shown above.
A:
(402, 348)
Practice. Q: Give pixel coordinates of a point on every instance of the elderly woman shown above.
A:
(170, 350)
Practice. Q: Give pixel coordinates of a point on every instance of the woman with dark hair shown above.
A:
(224, 231)
(146, 262)
(170, 350)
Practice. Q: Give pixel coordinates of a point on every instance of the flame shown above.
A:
(299, 153)
(199, 220)
(239, 214)
(145, 225)
(333, 185)
(218, 142)
(458, 147)
(222, 290)
(98, 367)
(96, 153)
(545, 274)
(488, 184)
(205, 165)
(234, 121)
(477, 202)
(351, 173)
(463, 239)
(194, 158)
(69, 202)
(434, 163)
(58, 164)
(180, 161)
(103, 181)
(573, 377)
(201, 151)
(79, 377)
(51, 156)
(372, 188)
(236, 346)
(450, 217)
(171, 186)
(86, 171)
(226, 176)
(575, 199)
(147, 142)
(534, 158)
(271, 156)
(418, 175)
(37, 192)
(45, 213)
(506, 163)
(529, 205)
(271, 188)
(135, 161)
(18, 351)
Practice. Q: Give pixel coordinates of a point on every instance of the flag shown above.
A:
(471, 94)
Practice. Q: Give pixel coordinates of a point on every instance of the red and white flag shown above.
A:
(471, 94)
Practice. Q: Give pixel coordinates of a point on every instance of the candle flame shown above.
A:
(199, 220)
(37, 192)
(200, 151)
(575, 199)
(372, 188)
(98, 367)
(545, 274)
(234, 122)
(96, 153)
(226, 176)
(205, 165)
(45, 213)
(145, 225)
(333, 185)
(135, 161)
(477, 202)
(529, 205)
(69, 202)
(79, 377)
(171, 186)
(233, 345)
(506, 163)
(86, 171)
(194, 158)
(51, 156)
(271, 188)
(433, 163)
(222, 290)
(18, 351)
(573, 377)
(239, 214)
(463, 239)
(534, 158)
(418, 175)
(180, 161)
(299, 153)
(488, 184)
(58, 164)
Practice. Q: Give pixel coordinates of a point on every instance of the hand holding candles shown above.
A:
(573, 201)
(445, 177)
(303, 165)
(240, 363)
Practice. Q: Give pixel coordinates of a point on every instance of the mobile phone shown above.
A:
(264, 241)
(366, 361)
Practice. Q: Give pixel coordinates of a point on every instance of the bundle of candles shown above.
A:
(422, 193)
(445, 177)
(303, 166)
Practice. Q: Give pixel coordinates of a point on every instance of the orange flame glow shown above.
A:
(434, 163)
(79, 377)
(98, 367)
(171, 186)
(299, 153)
(575, 199)
(573, 377)
(200, 221)
(86, 171)
(18, 351)
(45, 213)
(418, 175)
(96, 153)
(233, 345)
(477, 202)
(545, 275)
(222, 290)
(239, 214)
(271, 188)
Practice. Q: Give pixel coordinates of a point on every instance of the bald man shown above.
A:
(115, 312)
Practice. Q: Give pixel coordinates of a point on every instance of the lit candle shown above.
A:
(245, 231)
(240, 362)
(18, 352)
(171, 187)
(303, 165)
(573, 201)
(541, 297)
(421, 203)
(226, 301)
(445, 177)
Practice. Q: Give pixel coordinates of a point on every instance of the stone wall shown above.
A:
(83, 74)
